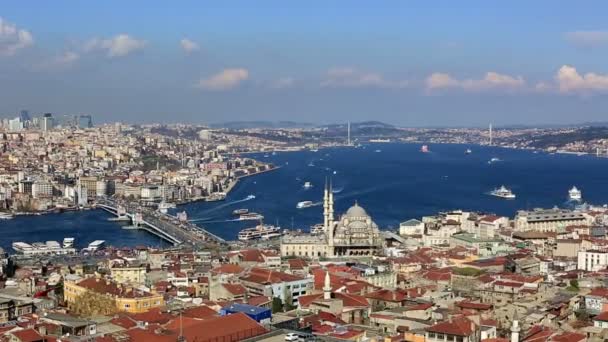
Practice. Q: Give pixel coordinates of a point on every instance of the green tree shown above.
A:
(277, 305)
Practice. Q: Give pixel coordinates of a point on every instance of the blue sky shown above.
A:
(412, 63)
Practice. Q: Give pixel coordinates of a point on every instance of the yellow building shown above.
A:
(129, 274)
(126, 298)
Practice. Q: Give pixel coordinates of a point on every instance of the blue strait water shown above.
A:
(394, 184)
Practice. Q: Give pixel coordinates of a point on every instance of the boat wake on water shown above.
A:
(221, 206)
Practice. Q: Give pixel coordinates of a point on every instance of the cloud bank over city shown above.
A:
(356, 69)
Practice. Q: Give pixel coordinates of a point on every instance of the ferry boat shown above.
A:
(68, 242)
(304, 204)
(424, 149)
(6, 216)
(575, 194)
(261, 231)
(307, 185)
(240, 211)
(250, 197)
(493, 160)
(96, 245)
(251, 217)
(503, 192)
(42, 248)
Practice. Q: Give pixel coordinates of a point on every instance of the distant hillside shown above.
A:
(362, 129)
(261, 124)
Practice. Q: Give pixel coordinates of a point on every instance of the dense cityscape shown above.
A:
(453, 276)
(387, 171)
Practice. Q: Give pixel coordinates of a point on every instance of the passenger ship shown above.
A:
(261, 231)
(503, 192)
(575, 194)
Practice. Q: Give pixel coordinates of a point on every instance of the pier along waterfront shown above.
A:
(172, 229)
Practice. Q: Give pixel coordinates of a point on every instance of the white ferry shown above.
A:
(379, 140)
(468, 151)
(68, 242)
(261, 231)
(240, 211)
(307, 185)
(575, 194)
(42, 248)
(424, 149)
(304, 204)
(493, 160)
(96, 245)
(251, 217)
(6, 216)
(503, 192)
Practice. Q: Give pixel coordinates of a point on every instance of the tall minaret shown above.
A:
(515, 329)
(326, 206)
(330, 205)
(327, 287)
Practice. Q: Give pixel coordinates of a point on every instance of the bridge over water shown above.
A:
(165, 226)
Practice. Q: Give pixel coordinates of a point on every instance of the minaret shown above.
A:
(515, 329)
(326, 206)
(327, 287)
(330, 205)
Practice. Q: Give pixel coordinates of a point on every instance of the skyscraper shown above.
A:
(84, 121)
(47, 122)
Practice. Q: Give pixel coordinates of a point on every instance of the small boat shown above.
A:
(240, 211)
(424, 149)
(494, 160)
(251, 217)
(6, 216)
(468, 151)
(307, 185)
(335, 172)
(503, 192)
(250, 197)
(378, 151)
(311, 164)
(575, 194)
(304, 204)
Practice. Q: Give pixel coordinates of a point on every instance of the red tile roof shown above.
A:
(228, 269)
(200, 312)
(235, 289)
(266, 276)
(27, 335)
(474, 306)
(569, 337)
(459, 326)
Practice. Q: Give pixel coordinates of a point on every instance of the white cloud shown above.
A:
(188, 46)
(13, 39)
(354, 78)
(587, 39)
(117, 46)
(65, 60)
(491, 80)
(224, 80)
(570, 81)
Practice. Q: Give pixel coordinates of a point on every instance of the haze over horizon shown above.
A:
(405, 63)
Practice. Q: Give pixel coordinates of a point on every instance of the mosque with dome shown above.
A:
(355, 234)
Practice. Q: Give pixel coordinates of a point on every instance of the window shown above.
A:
(127, 306)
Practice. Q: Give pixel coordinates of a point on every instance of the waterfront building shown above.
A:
(411, 227)
(125, 274)
(287, 287)
(550, 220)
(355, 234)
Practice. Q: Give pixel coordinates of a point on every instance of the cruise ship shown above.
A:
(251, 217)
(43, 248)
(6, 216)
(304, 204)
(261, 231)
(575, 194)
(503, 192)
